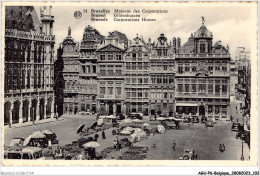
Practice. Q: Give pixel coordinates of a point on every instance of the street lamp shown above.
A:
(242, 135)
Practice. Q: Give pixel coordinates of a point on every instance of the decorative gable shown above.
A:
(110, 48)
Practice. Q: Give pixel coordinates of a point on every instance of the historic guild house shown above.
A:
(115, 75)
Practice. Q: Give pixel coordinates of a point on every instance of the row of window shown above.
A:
(162, 66)
(70, 67)
(137, 80)
(110, 90)
(161, 95)
(162, 79)
(110, 57)
(202, 88)
(202, 80)
(194, 69)
(22, 53)
(137, 94)
(137, 66)
(17, 79)
(88, 69)
(111, 72)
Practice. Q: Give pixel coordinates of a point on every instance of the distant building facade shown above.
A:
(243, 86)
(29, 65)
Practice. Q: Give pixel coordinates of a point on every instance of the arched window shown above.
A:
(18, 79)
(15, 79)
(39, 78)
(28, 79)
(11, 52)
(39, 54)
(35, 78)
(35, 54)
(23, 53)
(23, 79)
(29, 53)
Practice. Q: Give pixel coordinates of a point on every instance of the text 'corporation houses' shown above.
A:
(114, 75)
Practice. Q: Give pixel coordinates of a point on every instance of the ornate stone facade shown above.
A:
(121, 76)
(29, 65)
(203, 77)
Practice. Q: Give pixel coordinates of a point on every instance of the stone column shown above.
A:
(106, 108)
(11, 114)
(228, 112)
(45, 109)
(131, 106)
(98, 107)
(167, 110)
(213, 111)
(206, 110)
(54, 109)
(197, 114)
(122, 107)
(21, 113)
(149, 109)
(29, 109)
(38, 111)
(114, 109)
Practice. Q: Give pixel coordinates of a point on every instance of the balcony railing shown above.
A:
(202, 55)
(28, 35)
(203, 94)
(110, 97)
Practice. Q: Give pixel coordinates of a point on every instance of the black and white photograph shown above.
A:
(121, 82)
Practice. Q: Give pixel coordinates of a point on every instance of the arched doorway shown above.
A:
(118, 109)
(110, 110)
(41, 109)
(202, 111)
(15, 116)
(7, 113)
(33, 110)
(25, 111)
(48, 108)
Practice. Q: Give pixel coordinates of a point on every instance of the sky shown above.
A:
(230, 24)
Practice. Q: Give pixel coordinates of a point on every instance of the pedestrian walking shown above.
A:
(49, 143)
(103, 135)
(114, 143)
(173, 145)
(221, 147)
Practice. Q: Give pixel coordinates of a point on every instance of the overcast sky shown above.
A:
(231, 25)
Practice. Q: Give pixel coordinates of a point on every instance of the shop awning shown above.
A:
(186, 104)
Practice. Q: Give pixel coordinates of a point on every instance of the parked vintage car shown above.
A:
(186, 120)
(209, 124)
(204, 119)
(26, 153)
(236, 127)
(195, 119)
(188, 154)
(135, 116)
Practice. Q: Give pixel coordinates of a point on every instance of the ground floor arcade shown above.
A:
(218, 108)
(28, 108)
(111, 107)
